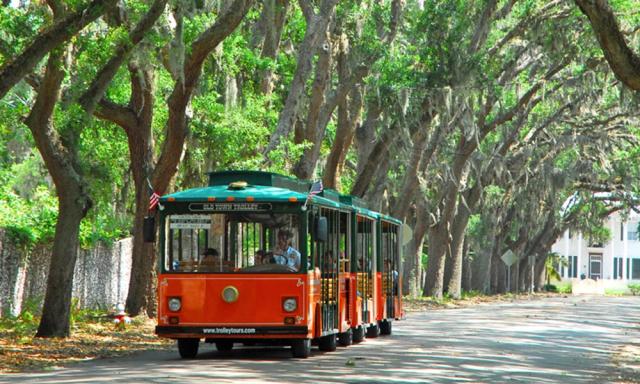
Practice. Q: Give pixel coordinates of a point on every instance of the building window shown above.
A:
(635, 269)
(628, 269)
(632, 231)
(617, 267)
(621, 231)
(573, 266)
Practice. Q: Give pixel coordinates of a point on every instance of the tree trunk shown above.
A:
(315, 32)
(373, 161)
(366, 134)
(540, 272)
(348, 117)
(414, 250)
(438, 244)
(276, 12)
(458, 237)
(73, 199)
(310, 130)
(410, 181)
(56, 310)
(467, 272)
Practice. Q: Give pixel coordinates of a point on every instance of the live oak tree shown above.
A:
(136, 118)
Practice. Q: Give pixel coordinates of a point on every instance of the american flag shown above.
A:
(154, 199)
(315, 188)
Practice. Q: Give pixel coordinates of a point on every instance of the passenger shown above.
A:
(269, 258)
(210, 259)
(288, 255)
(329, 261)
(259, 257)
(394, 275)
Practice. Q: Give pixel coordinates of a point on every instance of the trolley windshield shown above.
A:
(232, 243)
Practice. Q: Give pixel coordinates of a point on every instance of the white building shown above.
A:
(619, 259)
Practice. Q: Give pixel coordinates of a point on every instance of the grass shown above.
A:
(93, 336)
(616, 291)
(422, 303)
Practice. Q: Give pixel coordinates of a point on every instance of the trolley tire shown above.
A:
(224, 345)
(345, 338)
(188, 348)
(373, 331)
(301, 348)
(327, 343)
(358, 334)
(385, 327)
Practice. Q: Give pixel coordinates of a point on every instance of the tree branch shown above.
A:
(50, 39)
(99, 85)
(624, 62)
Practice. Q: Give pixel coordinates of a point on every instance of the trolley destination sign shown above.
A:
(237, 207)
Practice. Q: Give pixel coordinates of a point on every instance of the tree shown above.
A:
(623, 61)
(59, 149)
(136, 119)
(53, 37)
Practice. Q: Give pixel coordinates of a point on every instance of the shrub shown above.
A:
(550, 288)
(634, 288)
(564, 287)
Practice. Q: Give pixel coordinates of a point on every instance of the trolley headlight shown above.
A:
(175, 304)
(230, 294)
(290, 304)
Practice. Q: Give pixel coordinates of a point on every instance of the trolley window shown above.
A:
(232, 243)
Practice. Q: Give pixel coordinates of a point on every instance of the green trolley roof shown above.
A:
(250, 193)
(258, 186)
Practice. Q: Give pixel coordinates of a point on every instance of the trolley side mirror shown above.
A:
(149, 229)
(322, 229)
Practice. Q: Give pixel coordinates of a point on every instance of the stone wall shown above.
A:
(101, 276)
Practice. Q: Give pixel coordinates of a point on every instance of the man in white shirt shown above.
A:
(288, 255)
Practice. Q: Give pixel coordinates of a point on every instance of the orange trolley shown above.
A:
(261, 257)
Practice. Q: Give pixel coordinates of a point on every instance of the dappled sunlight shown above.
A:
(550, 341)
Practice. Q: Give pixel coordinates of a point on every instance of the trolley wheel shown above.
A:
(385, 327)
(327, 343)
(188, 348)
(224, 345)
(345, 338)
(373, 331)
(358, 334)
(301, 348)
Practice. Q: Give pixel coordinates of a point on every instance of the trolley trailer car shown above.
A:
(254, 257)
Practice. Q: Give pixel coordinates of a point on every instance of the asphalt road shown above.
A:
(553, 340)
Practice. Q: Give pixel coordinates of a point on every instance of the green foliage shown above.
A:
(23, 326)
(551, 264)
(615, 292)
(564, 287)
(634, 288)
(31, 219)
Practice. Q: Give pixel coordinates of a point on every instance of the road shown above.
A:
(551, 340)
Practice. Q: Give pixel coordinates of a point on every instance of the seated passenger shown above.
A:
(259, 257)
(210, 259)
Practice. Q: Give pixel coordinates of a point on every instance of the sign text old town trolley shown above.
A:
(260, 257)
